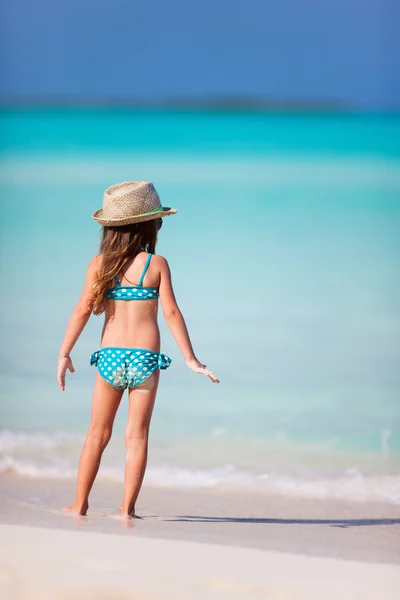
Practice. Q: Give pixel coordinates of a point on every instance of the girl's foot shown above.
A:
(128, 514)
(77, 510)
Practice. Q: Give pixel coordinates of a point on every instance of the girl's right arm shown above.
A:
(77, 322)
(176, 322)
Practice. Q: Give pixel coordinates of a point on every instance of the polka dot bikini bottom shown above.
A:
(128, 367)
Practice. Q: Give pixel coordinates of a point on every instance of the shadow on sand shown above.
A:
(332, 522)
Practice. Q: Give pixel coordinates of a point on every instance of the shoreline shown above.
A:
(350, 531)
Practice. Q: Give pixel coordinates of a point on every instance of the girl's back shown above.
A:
(133, 322)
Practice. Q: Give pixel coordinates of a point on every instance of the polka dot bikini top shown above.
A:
(133, 292)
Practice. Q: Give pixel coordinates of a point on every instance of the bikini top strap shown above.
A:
(117, 283)
(146, 266)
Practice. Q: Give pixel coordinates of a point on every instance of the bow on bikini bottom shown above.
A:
(128, 367)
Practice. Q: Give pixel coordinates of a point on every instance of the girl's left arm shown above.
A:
(77, 322)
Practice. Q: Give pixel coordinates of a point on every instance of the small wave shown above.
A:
(12, 441)
(10, 466)
(350, 486)
(55, 455)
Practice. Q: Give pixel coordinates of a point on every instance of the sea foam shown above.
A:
(54, 455)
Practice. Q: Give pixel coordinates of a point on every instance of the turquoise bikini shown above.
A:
(129, 367)
(133, 292)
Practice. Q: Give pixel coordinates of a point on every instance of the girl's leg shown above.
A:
(106, 400)
(141, 403)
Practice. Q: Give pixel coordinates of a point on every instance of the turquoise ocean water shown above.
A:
(284, 256)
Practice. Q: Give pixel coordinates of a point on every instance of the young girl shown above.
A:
(125, 281)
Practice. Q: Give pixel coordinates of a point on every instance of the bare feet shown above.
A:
(77, 510)
(128, 513)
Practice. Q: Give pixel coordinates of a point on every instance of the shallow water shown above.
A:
(284, 257)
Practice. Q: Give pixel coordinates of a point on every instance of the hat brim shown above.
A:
(165, 212)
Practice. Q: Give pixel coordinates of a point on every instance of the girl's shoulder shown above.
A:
(96, 262)
(95, 266)
(159, 261)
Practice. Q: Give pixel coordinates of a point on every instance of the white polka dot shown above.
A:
(144, 368)
(147, 353)
(109, 369)
(123, 290)
(128, 351)
(123, 355)
(118, 351)
(110, 377)
(134, 369)
(114, 364)
(140, 294)
(136, 360)
(129, 294)
(140, 364)
(109, 359)
(118, 294)
(108, 351)
(113, 355)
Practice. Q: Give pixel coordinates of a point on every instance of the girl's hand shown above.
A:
(64, 363)
(201, 369)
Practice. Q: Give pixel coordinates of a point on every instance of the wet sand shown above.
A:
(193, 544)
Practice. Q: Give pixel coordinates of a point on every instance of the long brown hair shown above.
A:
(118, 246)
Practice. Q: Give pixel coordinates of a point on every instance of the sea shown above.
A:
(285, 262)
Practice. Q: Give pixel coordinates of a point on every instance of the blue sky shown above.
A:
(341, 50)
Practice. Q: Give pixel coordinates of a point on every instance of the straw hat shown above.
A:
(131, 202)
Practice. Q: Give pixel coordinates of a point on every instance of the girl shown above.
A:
(125, 281)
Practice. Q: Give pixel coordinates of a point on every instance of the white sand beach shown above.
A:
(47, 564)
(193, 545)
